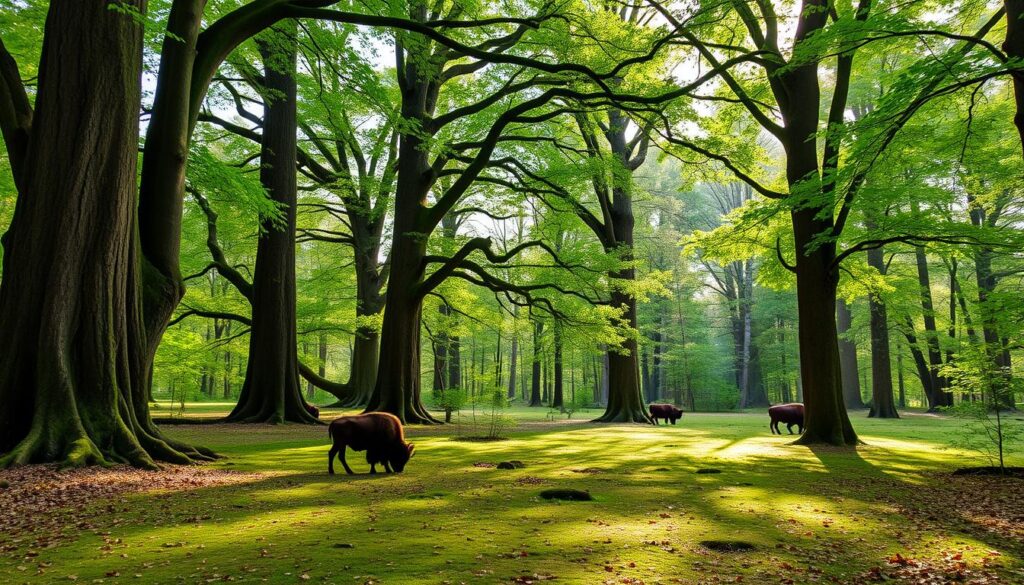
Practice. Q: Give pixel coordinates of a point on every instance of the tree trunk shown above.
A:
(923, 372)
(558, 398)
(757, 396)
(512, 366)
(439, 344)
(322, 355)
(939, 396)
(1014, 48)
(625, 401)
(902, 403)
(272, 392)
(645, 374)
(825, 418)
(363, 366)
(454, 363)
(535, 395)
(366, 343)
(398, 385)
(797, 90)
(995, 344)
(882, 405)
(75, 359)
(657, 376)
(848, 357)
(605, 378)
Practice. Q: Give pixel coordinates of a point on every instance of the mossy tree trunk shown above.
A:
(272, 392)
(76, 356)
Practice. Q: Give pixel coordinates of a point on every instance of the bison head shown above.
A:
(401, 457)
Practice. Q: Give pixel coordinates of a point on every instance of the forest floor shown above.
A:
(268, 511)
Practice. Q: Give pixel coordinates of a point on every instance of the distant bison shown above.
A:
(312, 410)
(790, 414)
(378, 433)
(665, 411)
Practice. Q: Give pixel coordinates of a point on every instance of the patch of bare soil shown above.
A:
(41, 499)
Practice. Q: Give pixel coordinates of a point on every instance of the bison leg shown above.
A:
(673, 420)
(774, 427)
(341, 457)
(789, 427)
(387, 467)
(373, 468)
(330, 459)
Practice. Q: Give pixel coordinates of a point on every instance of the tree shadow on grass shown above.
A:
(444, 516)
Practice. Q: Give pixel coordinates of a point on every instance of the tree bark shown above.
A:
(987, 281)
(657, 375)
(75, 361)
(558, 397)
(1014, 48)
(535, 394)
(882, 404)
(797, 90)
(625, 401)
(272, 392)
(938, 396)
(848, 357)
(512, 364)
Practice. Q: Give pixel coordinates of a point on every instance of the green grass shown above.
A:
(812, 514)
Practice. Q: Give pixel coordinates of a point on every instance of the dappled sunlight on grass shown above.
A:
(828, 513)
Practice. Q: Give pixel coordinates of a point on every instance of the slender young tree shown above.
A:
(848, 357)
(535, 393)
(882, 404)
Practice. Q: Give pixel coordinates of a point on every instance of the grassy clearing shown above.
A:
(813, 515)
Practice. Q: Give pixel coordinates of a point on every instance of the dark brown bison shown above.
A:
(665, 411)
(790, 414)
(378, 433)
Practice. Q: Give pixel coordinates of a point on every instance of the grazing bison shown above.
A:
(665, 411)
(312, 410)
(790, 414)
(378, 433)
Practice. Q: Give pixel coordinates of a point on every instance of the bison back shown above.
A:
(662, 409)
(792, 412)
(376, 430)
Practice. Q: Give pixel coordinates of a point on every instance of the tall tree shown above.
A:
(882, 404)
(936, 390)
(74, 370)
(272, 391)
(613, 187)
(823, 186)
